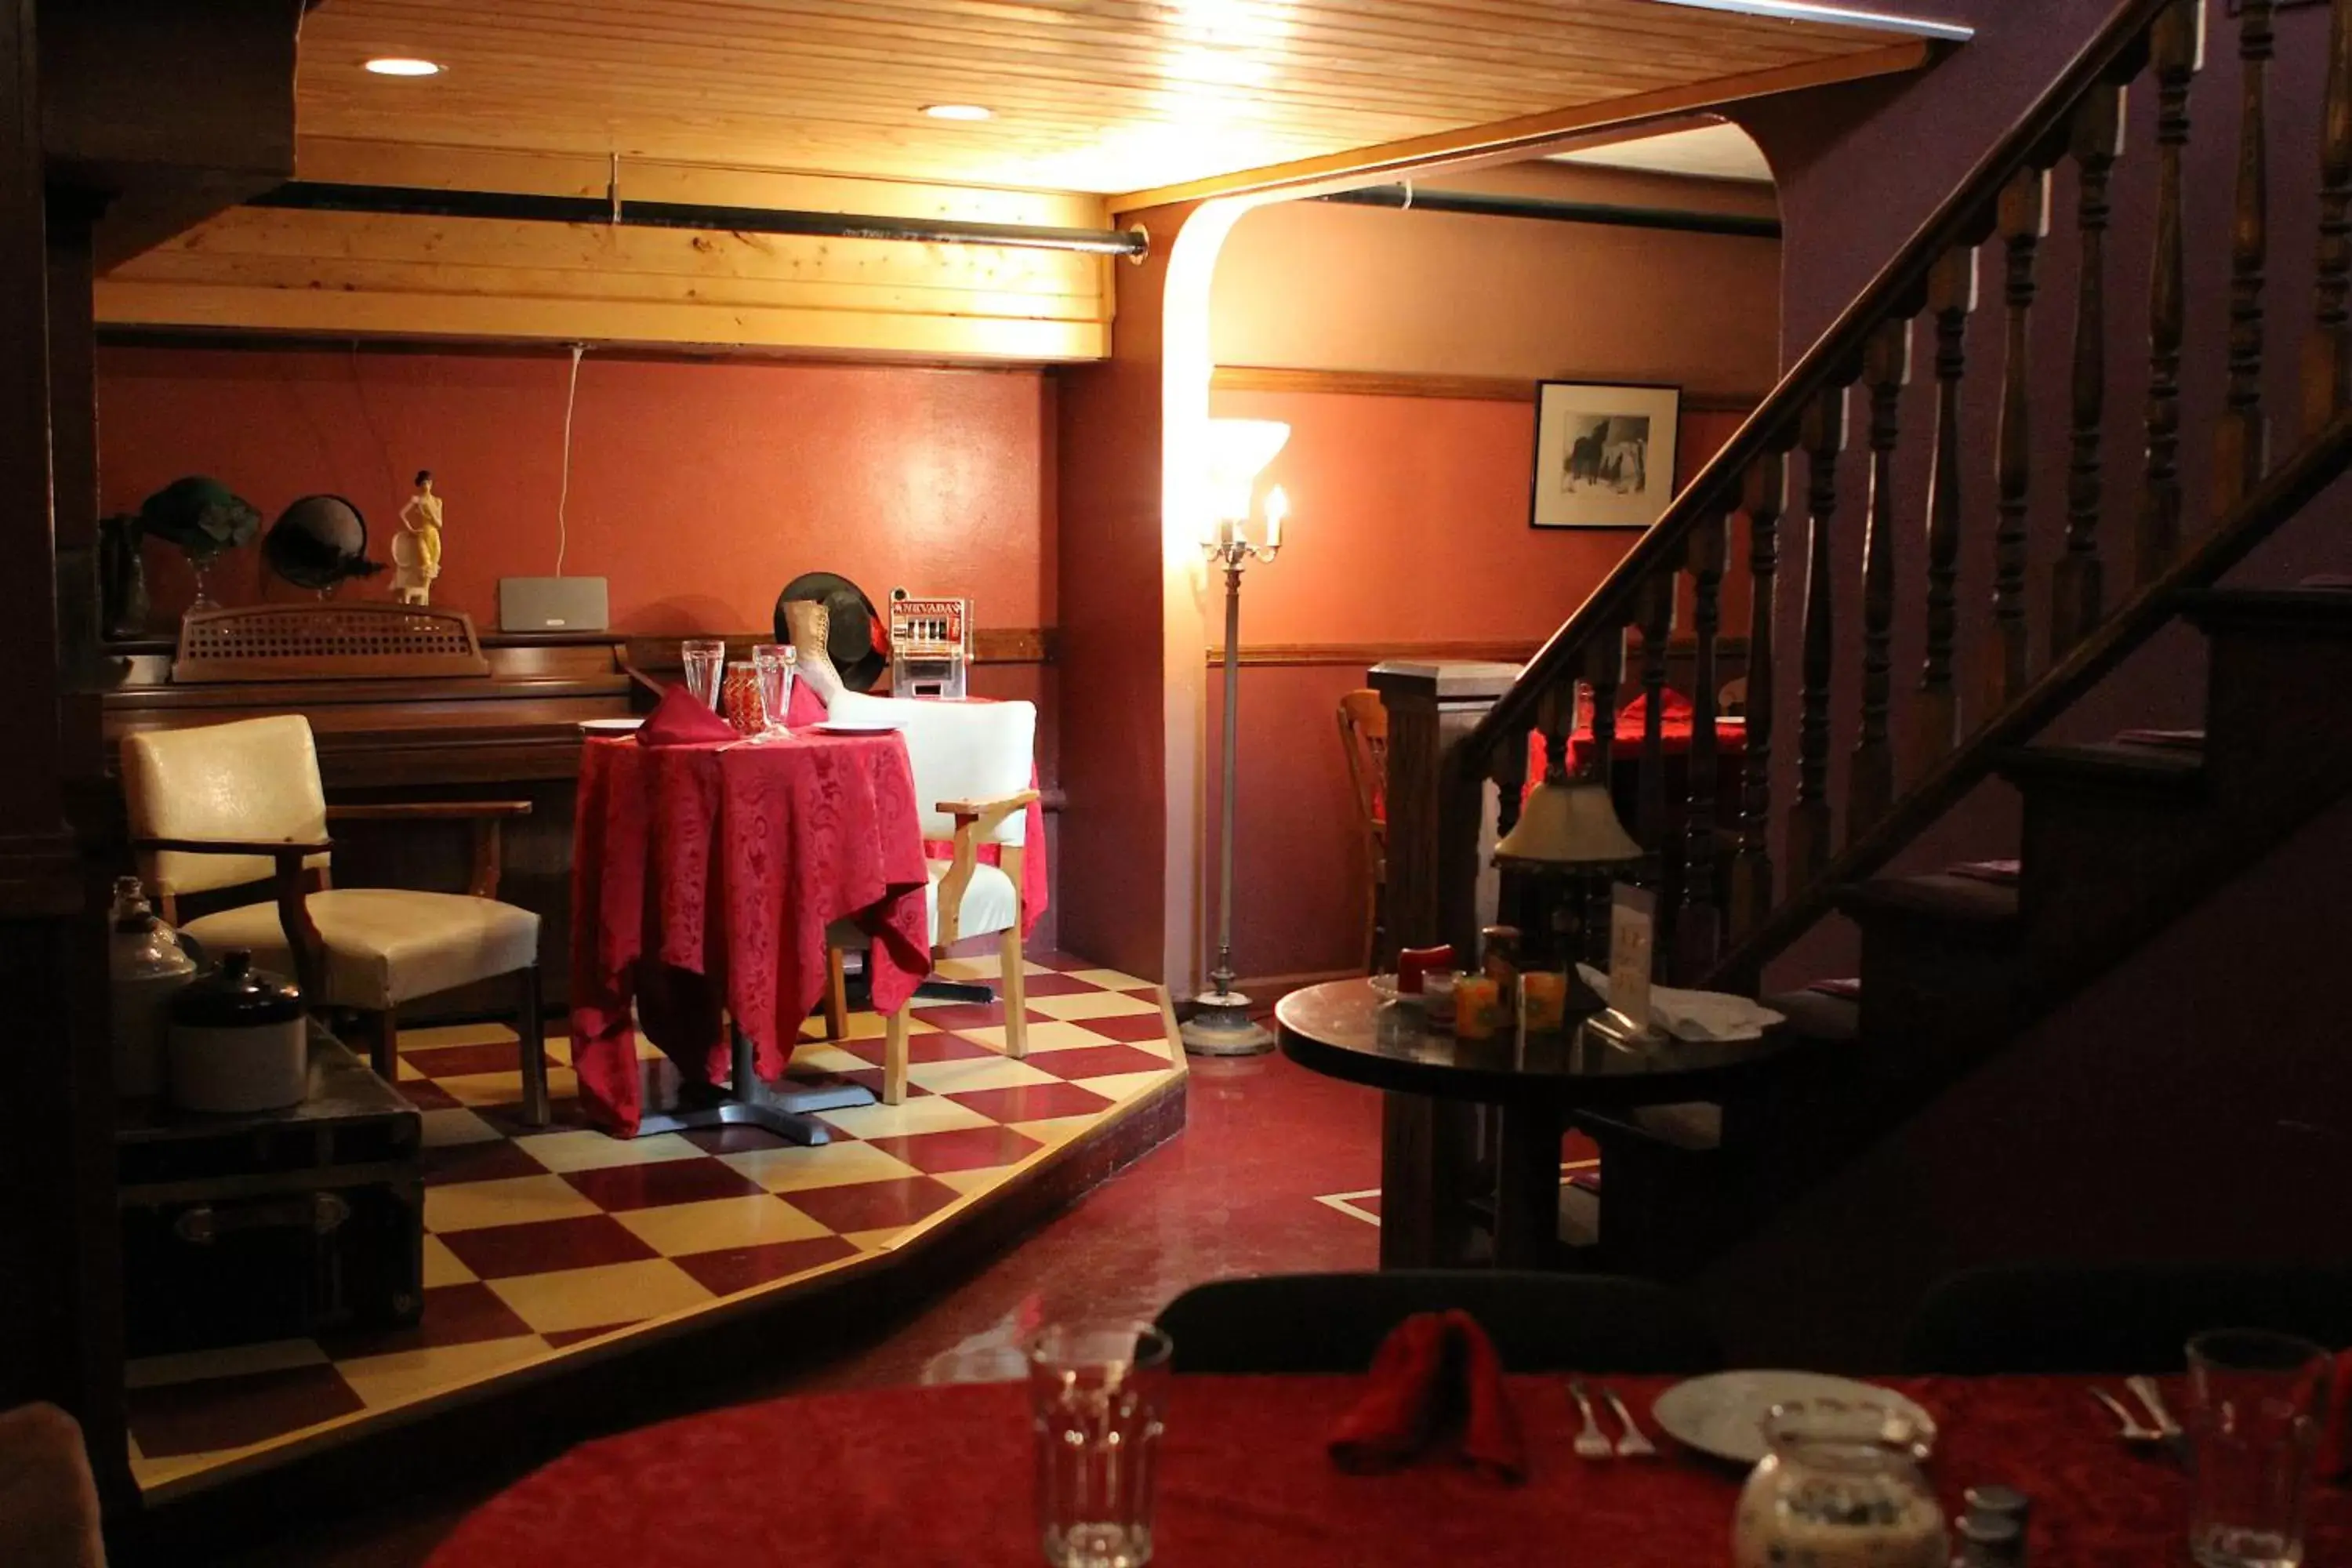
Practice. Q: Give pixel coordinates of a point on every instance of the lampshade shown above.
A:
(1239, 450)
(1571, 823)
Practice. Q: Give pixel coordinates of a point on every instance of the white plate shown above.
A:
(1386, 986)
(1724, 1413)
(855, 727)
(612, 726)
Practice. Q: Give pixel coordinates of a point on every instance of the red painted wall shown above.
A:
(699, 488)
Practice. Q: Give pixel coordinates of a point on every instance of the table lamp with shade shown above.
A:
(1568, 829)
(1239, 450)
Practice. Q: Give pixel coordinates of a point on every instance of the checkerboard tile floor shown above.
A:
(1581, 1169)
(537, 1240)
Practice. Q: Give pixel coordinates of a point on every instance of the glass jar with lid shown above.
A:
(1840, 1487)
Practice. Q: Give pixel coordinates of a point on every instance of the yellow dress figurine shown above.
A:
(416, 550)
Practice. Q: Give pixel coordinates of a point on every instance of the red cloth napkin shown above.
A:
(1436, 1380)
(682, 718)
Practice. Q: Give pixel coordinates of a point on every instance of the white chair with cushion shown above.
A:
(224, 806)
(973, 762)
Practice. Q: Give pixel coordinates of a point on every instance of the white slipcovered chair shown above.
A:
(973, 762)
(223, 806)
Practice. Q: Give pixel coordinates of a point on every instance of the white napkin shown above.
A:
(1701, 1016)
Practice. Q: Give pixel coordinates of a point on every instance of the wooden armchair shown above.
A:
(1364, 734)
(227, 804)
(972, 761)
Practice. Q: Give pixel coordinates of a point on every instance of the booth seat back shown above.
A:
(255, 779)
(960, 750)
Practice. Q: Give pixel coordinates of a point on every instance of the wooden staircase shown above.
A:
(2017, 609)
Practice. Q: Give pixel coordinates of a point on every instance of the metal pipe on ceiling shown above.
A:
(314, 195)
(1548, 209)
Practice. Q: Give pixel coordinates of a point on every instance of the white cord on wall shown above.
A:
(563, 490)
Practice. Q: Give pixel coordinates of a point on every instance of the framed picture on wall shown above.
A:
(1604, 454)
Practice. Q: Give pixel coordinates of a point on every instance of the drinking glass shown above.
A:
(740, 698)
(777, 663)
(705, 660)
(2256, 1404)
(1095, 1393)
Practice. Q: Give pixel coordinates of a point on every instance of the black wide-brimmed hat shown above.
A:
(854, 639)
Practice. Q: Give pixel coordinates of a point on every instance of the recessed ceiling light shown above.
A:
(959, 112)
(403, 65)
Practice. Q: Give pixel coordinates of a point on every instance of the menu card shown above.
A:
(1633, 925)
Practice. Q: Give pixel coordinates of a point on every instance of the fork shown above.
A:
(1632, 1444)
(2153, 1398)
(2134, 1430)
(1590, 1443)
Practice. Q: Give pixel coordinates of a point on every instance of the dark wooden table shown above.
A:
(1343, 1029)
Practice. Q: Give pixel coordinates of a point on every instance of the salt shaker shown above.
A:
(1990, 1540)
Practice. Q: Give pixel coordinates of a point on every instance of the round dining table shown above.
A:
(1348, 1029)
(942, 1476)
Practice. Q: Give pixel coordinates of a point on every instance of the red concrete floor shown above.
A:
(1234, 1192)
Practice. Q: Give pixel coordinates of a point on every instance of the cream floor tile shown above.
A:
(230, 1361)
(1162, 1048)
(1053, 1036)
(382, 1381)
(587, 1149)
(517, 1200)
(406, 1072)
(558, 1049)
(872, 1025)
(980, 1181)
(457, 1035)
(591, 1297)
(1058, 1128)
(506, 1088)
(792, 1170)
(930, 1113)
(1125, 1085)
(455, 1125)
(675, 1231)
(443, 1267)
(876, 1240)
(827, 1058)
(647, 1051)
(962, 1074)
(1109, 979)
(1093, 1004)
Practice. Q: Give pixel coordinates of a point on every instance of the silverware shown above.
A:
(1590, 1443)
(2133, 1430)
(1632, 1444)
(2153, 1398)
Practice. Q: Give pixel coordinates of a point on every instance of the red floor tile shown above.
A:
(542, 1247)
(963, 1149)
(1051, 985)
(230, 1412)
(665, 1181)
(490, 1159)
(464, 1061)
(1056, 959)
(1032, 1101)
(871, 1205)
(1097, 1061)
(942, 1046)
(1149, 1025)
(741, 1268)
(425, 1095)
(733, 1140)
(562, 1115)
(971, 1016)
(454, 1315)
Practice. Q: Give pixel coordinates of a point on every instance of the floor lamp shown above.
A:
(1239, 449)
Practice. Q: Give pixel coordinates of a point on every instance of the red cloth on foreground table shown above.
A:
(908, 1476)
(1436, 1380)
(703, 877)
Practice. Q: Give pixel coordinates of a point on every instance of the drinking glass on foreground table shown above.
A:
(1095, 1393)
(705, 661)
(775, 664)
(2256, 1401)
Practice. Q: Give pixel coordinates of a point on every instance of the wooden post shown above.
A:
(2078, 587)
(1952, 297)
(2177, 44)
(1763, 497)
(1870, 784)
(1823, 440)
(1605, 667)
(2025, 220)
(1658, 629)
(2241, 444)
(1440, 815)
(2328, 352)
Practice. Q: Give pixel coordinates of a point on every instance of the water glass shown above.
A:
(777, 663)
(705, 660)
(2257, 1403)
(1097, 1391)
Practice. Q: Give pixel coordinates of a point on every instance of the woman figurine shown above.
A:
(416, 553)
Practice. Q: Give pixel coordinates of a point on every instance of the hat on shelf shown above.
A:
(854, 639)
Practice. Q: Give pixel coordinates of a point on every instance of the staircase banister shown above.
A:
(1966, 217)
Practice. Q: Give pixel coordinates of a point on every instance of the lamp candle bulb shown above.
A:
(1277, 507)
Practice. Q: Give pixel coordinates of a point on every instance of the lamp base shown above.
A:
(1223, 1028)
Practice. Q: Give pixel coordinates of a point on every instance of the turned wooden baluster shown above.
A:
(1657, 624)
(2077, 586)
(1935, 713)
(2177, 43)
(2241, 445)
(2327, 353)
(1763, 497)
(2025, 220)
(1870, 783)
(1699, 928)
(1823, 438)
(1605, 670)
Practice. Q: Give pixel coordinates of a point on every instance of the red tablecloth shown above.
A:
(942, 1476)
(703, 877)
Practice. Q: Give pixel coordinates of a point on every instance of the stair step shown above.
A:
(2170, 770)
(1817, 1016)
(1969, 909)
(2303, 611)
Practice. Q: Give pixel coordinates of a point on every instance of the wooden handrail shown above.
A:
(1965, 218)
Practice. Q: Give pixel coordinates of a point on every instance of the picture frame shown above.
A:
(1604, 454)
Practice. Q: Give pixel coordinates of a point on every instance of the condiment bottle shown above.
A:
(1990, 1540)
(146, 967)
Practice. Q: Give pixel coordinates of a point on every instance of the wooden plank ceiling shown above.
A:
(1089, 95)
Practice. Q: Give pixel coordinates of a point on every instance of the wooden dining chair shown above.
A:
(973, 764)
(1364, 735)
(224, 806)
